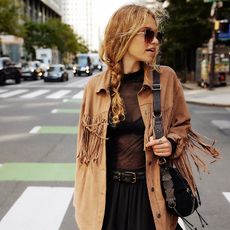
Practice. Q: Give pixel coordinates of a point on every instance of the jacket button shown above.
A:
(150, 162)
(152, 189)
(158, 215)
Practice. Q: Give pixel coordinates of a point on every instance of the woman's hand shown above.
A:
(161, 147)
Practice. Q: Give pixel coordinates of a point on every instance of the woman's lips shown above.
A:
(153, 50)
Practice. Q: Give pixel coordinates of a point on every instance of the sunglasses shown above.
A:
(149, 35)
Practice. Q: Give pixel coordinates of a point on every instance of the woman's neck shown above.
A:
(130, 67)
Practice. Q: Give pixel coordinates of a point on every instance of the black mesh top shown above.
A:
(125, 144)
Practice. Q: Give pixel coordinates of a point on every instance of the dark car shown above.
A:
(8, 71)
(56, 72)
(83, 65)
(32, 70)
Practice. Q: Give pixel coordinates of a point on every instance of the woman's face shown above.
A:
(141, 47)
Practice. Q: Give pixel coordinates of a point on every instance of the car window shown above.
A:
(82, 61)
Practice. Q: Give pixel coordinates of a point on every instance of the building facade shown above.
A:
(42, 10)
(79, 15)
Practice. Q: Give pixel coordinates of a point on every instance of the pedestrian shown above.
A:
(117, 183)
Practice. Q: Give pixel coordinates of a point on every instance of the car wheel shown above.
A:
(2, 80)
(18, 79)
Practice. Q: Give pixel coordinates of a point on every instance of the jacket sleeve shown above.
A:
(180, 122)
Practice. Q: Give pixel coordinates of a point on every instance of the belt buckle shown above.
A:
(119, 176)
(134, 177)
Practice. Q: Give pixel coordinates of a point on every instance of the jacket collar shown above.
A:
(104, 82)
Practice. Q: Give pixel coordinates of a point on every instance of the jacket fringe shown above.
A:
(197, 149)
(92, 139)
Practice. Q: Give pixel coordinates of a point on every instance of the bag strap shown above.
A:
(156, 89)
(158, 128)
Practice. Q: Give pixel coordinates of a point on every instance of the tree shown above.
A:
(53, 33)
(10, 17)
(187, 29)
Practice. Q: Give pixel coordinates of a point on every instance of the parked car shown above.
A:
(32, 70)
(56, 72)
(83, 65)
(8, 70)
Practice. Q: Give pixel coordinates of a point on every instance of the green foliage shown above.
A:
(53, 33)
(10, 17)
(187, 29)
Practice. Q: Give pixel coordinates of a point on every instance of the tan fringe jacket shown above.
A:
(90, 184)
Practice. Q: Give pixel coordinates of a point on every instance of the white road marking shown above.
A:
(38, 208)
(3, 90)
(221, 124)
(79, 95)
(180, 221)
(35, 93)
(79, 84)
(54, 111)
(227, 196)
(13, 93)
(35, 129)
(58, 94)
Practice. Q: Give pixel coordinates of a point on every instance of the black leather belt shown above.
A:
(128, 176)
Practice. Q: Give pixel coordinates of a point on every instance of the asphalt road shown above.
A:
(37, 153)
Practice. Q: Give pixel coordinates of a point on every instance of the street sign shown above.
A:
(209, 1)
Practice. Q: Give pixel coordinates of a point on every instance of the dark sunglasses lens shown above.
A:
(149, 35)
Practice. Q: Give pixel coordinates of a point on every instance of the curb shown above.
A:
(207, 104)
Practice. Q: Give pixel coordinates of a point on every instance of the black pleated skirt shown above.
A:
(127, 207)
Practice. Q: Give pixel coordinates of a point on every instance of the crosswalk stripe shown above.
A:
(35, 129)
(72, 100)
(58, 94)
(79, 95)
(3, 90)
(13, 93)
(79, 84)
(54, 130)
(38, 208)
(227, 196)
(221, 124)
(74, 111)
(35, 93)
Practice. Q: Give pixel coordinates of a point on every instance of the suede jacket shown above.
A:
(90, 181)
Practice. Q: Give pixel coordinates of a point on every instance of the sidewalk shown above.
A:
(218, 96)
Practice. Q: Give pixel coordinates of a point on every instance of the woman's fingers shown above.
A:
(160, 147)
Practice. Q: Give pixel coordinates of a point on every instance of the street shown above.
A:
(38, 130)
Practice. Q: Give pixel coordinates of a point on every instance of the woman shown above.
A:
(118, 178)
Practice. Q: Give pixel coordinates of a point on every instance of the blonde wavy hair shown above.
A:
(121, 29)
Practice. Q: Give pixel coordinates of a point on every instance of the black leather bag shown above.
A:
(178, 195)
(177, 192)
